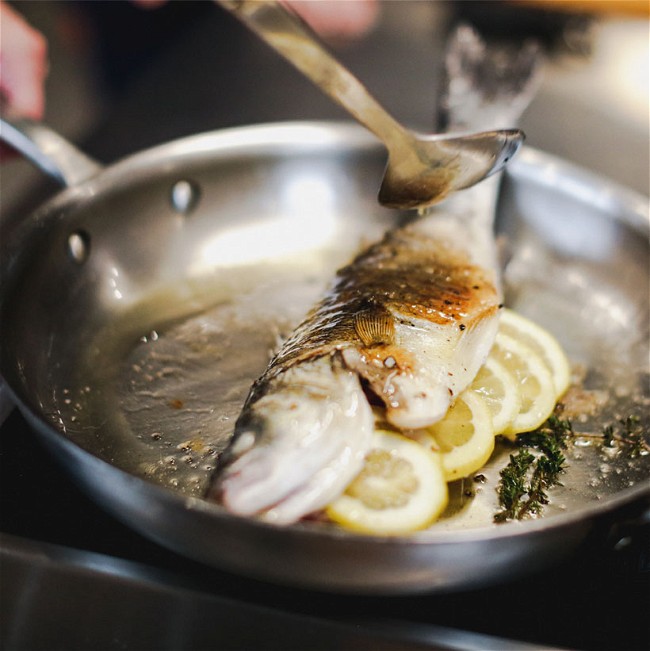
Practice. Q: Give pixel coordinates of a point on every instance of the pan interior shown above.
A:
(174, 308)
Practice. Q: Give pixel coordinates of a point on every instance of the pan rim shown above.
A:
(633, 206)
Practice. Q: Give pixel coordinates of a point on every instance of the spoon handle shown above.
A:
(49, 151)
(290, 37)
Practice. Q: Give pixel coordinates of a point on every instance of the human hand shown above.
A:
(23, 68)
(330, 18)
(23, 50)
(23, 65)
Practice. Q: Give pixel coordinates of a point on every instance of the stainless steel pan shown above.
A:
(138, 305)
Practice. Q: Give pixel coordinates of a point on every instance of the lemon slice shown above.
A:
(401, 489)
(534, 379)
(465, 436)
(499, 388)
(543, 343)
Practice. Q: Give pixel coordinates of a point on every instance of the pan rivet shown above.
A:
(79, 246)
(184, 196)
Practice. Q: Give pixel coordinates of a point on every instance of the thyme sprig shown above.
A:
(524, 482)
(630, 433)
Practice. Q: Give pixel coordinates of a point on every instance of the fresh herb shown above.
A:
(630, 434)
(550, 437)
(609, 439)
(512, 486)
(524, 482)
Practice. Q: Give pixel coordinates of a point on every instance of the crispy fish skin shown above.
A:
(405, 276)
(398, 314)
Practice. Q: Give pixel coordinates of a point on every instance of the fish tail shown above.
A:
(487, 85)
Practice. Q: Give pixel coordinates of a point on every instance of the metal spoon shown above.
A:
(422, 169)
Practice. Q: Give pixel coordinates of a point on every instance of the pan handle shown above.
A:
(55, 156)
(49, 151)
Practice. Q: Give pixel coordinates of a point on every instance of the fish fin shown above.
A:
(375, 326)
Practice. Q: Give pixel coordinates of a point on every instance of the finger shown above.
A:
(337, 18)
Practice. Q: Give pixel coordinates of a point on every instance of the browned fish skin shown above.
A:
(406, 274)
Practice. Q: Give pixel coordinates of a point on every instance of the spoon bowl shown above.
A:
(422, 169)
(436, 166)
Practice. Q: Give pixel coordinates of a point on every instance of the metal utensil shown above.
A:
(422, 169)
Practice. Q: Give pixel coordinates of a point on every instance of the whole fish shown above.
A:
(406, 326)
